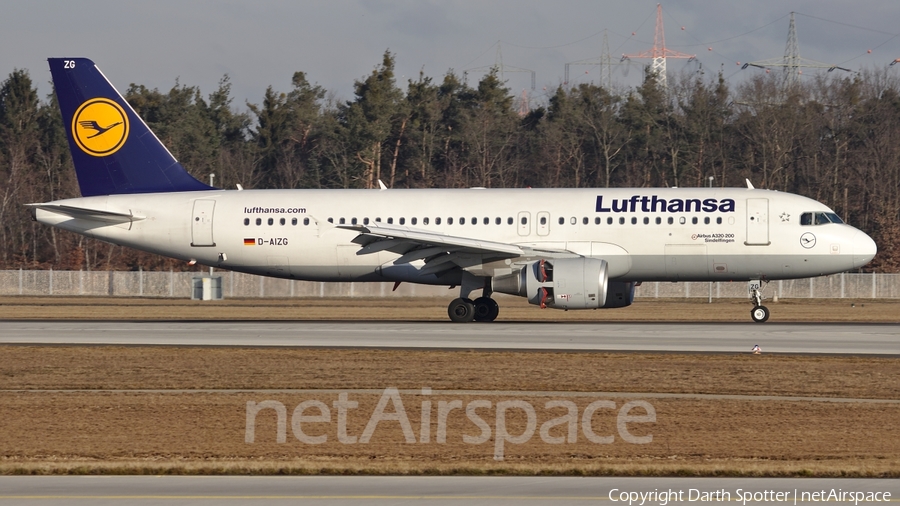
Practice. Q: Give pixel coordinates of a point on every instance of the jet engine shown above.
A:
(566, 283)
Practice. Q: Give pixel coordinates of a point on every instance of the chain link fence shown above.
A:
(235, 284)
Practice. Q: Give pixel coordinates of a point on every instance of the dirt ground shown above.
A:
(423, 309)
(158, 410)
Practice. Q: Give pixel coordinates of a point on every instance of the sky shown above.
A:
(336, 42)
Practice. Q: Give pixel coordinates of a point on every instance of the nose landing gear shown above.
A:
(759, 313)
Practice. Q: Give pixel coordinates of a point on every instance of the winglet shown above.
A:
(749, 184)
(113, 150)
(381, 185)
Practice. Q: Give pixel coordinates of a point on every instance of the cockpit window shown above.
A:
(819, 218)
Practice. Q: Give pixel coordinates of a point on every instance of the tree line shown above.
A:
(834, 139)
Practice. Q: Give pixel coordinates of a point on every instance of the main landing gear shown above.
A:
(482, 309)
(759, 313)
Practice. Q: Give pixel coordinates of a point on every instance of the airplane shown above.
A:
(559, 248)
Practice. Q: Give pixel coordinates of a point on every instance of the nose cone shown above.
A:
(864, 249)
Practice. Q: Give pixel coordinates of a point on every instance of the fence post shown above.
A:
(811, 280)
(842, 285)
(80, 281)
(140, 281)
(50, 283)
(874, 292)
(262, 289)
(231, 290)
(20, 281)
(171, 282)
(656, 292)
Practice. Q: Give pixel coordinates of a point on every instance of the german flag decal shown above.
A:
(249, 242)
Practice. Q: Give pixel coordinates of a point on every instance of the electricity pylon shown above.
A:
(604, 62)
(660, 52)
(792, 63)
(500, 67)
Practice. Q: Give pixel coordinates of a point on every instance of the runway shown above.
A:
(807, 338)
(339, 490)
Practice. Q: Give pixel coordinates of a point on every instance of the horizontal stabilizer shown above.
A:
(83, 213)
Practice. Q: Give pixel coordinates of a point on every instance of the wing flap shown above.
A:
(421, 238)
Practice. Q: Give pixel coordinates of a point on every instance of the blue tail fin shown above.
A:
(113, 149)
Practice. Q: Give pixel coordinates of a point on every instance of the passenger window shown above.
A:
(413, 221)
(403, 221)
(330, 220)
(487, 221)
(437, 221)
(609, 220)
(342, 221)
(353, 221)
(584, 221)
(646, 220)
(474, 221)
(365, 221)
(706, 220)
(294, 222)
(562, 221)
(462, 221)
(634, 220)
(573, 220)
(258, 221)
(306, 221)
(424, 221)
(543, 220)
(509, 221)
(658, 220)
(682, 220)
(246, 221)
(671, 220)
(524, 220)
(498, 220)
(719, 220)
(281, 221)
(622, 220)
(390, 221)
(694, 220)
(449, 221)
(597, 220)
(271, 221)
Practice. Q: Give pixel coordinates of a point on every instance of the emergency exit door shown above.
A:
(202, 223)
(757, 222)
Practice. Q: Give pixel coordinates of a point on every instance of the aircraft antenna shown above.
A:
(660, 52)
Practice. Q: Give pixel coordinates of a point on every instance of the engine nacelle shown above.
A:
(619, 294)
(565, 283)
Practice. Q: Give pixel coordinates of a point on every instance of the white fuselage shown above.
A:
(685, 234)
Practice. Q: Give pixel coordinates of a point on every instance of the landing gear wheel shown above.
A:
(486, 309)
(759, 314)
(461, 310)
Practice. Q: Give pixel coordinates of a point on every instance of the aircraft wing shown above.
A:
(440, 251)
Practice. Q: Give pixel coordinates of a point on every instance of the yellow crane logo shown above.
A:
(100, 127)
